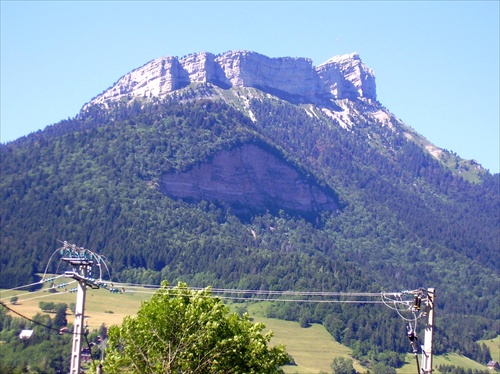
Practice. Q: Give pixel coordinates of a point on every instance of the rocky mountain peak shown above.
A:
(347, 77)
(292, 79)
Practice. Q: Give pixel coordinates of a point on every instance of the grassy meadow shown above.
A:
(312, 348)
(101, 306)
(449, 359)
(494, 346)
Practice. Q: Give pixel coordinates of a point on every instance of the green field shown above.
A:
(101, 306)
(494, 346)
(448, 359)
(313, 348)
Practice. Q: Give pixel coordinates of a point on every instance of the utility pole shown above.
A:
(81, 261)
(429, 331)
(403, 306)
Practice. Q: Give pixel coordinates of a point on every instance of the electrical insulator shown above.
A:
(417, 302)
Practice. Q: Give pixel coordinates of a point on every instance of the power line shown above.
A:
(250, 299)
(263, 292)
(283, 296)
(42, 296)
(306, 300)
(42, 281)
(21, 296)
(271, 295)
(260, 295)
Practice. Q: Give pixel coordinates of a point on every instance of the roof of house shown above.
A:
(25, 334)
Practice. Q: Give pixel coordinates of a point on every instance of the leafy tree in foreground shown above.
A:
(189, 331)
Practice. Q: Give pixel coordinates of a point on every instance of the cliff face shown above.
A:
(346, 77)
(293, 79)
(249, 179)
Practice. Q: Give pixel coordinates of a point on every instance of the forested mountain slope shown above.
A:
(294, 197)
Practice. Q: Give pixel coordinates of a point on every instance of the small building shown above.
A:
(493, 365)
(26, 334)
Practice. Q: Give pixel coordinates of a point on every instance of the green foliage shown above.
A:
(60, 317)
(47, 306)
(341, 365)
(188, 331)
(381, 368)
(45, 352)
(60, 311)
(405, 221)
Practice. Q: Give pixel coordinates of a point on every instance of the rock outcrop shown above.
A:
(346, 77)
(292, 79)
(249, 179)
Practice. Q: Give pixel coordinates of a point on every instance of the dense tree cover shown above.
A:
(186, 331)
(405, 222)
(392, 176)
(46, 352)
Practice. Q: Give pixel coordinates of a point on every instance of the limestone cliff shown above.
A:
(346, 77)
(292, 79)
(250, 179)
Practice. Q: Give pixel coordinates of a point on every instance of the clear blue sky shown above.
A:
(436, 63)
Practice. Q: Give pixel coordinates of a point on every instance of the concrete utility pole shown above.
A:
(429, 331)
(81, 266)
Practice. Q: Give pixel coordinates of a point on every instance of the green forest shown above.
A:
(405, 220)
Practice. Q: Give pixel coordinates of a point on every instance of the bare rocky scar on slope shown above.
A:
(250, 180)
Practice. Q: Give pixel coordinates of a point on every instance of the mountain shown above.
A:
(332, 87)
(245, 171)
(293, 79)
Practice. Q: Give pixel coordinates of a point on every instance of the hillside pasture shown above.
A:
(494, 346)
